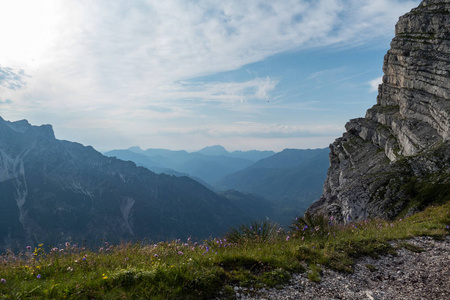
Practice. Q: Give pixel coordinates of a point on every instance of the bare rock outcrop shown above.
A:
(397, 159)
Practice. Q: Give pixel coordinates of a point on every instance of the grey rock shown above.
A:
(402, 145)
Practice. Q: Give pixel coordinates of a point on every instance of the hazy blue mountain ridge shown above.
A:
(208, 165)
(52, 191)
(291, 180)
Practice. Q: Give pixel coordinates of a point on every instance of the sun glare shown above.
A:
(28, 30)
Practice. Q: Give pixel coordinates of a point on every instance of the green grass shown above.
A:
(264, 257)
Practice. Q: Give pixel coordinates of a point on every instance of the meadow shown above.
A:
(259, 254)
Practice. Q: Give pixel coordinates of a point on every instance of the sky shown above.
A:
(185, 74)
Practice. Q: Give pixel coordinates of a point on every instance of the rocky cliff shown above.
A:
(53, 191)
(397, 159)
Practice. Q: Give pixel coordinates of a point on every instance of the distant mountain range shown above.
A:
(208, 165)
(53, 191)
(291, 180)
(288, 181)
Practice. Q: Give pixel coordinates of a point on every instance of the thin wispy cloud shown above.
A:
(123, 62)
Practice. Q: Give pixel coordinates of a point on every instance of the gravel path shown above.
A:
(409, 275)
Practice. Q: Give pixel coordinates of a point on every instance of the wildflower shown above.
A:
(287, 238)
(303, 237)
(3, 280)
(70, 269)
(38, 276)
(180, 253)
(305, 227)
(126, 258)
(331, 218)
(40, 245)
(156, 255)
(29, 247)
(84, 258)
(447, 227)
(317, 228)
(67, 244)
(104, 276)
(207, 249)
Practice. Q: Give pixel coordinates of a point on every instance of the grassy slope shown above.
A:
(253, 255)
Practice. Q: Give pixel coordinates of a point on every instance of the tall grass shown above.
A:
(259, 254)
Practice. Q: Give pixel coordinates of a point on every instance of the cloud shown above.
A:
(375, 83)
(6, 101)
(12, 78)
(147, 44)
(135, 65)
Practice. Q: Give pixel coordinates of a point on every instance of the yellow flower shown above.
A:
(104, 276)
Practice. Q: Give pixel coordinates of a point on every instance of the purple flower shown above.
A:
(155, 255)
(84, 258)
(207, 249)
(38, 276)
(287, 238)
(29, 247)
(180, 253)
(447, 227)
(3, 280)
(67, 244)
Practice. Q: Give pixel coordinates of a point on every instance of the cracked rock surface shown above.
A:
(396, 145)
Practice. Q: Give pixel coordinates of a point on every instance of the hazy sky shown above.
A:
(251, 74)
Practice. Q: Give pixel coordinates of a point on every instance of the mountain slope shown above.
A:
(397, 159)
(53, 190)
(291, 173)
(208, 165)
(291, 180)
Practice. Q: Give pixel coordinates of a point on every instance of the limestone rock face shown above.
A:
(397, 158)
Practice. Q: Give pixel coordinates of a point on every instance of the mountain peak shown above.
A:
(214, 150)
(23, 126)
